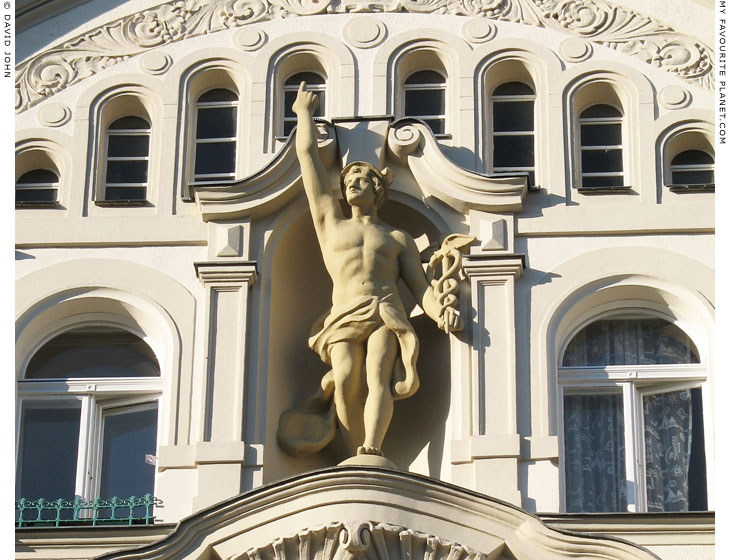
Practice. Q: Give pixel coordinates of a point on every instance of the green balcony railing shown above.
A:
(113, 511)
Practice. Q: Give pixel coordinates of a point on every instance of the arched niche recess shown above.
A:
(299, 293)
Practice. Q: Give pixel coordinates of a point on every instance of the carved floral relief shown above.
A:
(598, 21)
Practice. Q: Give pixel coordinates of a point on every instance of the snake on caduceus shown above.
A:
(447, 284)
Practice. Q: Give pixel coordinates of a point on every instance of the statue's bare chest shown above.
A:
(367, 240)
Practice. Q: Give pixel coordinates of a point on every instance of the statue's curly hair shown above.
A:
(381, 179)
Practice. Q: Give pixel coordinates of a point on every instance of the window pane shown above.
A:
(513, 116)
(514, 151)
(126, 172)
(602, 182)
(93, 352)
(128, 146)
(125, 193)
(600, 134)
(610, 342)
(436, 125)
(216, 122)
(37, 176)
(600, 111)
(425, 77)
(601, 161)
(217, 95)
(693, 177)
(595, 477)
(311, 78)
(49, 449)
(129, 123)
(692, 157)
(128, 437)
(424, 102)
(35, 195)
(513, 88)
(216, 157)
(672, 439)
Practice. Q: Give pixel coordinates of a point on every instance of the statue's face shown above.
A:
(359, 187)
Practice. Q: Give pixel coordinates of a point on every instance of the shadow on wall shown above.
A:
(300, 293)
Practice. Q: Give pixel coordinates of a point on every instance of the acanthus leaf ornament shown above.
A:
(616, 27)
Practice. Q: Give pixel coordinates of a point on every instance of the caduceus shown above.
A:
(447, 283)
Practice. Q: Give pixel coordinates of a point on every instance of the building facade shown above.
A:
(168, 274)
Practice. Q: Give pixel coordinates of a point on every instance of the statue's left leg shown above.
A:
(382, 350)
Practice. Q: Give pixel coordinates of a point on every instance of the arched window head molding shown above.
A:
(504, 61)
(113, 104)
(136, 298)
(681, 136)
(45, 154)
(200, 77)
(625, 90)
(306, 52)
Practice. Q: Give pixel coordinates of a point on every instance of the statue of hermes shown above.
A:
(366, 336)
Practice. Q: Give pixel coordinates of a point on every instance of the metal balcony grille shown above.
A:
(112, 511)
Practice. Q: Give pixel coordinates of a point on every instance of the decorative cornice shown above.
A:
(627, 31)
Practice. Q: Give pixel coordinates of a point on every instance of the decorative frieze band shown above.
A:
(630, 32)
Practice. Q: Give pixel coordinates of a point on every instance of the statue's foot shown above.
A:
(369, 451)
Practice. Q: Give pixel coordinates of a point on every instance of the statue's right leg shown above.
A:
(347, 367)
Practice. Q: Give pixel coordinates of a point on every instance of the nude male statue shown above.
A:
(366, 332)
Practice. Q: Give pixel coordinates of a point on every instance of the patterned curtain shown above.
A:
(616, 342)
(595, 475)
(668, 440)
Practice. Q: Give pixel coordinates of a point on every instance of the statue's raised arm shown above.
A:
(322, 202)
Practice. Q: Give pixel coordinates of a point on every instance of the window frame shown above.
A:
(633, 382)
(110, 132)
(52, 186)
(598, 121)
(427, 86)
(502, 98)
(684, 186)
(94, 396)
(215, 178)
(315, 88)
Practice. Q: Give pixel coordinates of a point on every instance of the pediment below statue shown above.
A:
(372, 514)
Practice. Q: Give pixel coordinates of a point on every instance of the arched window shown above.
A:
(633, 435)
(513, 129)
(601, 150)
(215, 136)
(424, 97)
(692, 168)
(37, 187)
(88, 417)
(127, 160)
(315, 83)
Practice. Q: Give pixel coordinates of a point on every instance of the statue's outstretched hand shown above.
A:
(306, 102)
(452, 321)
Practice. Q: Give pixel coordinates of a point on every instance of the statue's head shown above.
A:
(380, 180)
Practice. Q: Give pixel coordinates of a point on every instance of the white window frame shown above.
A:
(52, 186)
(96, 397)
(581, 148)
(680, 167)
(633, 382)
(427, 87)
(496, 134)
(315, 88)
(215, 177)
(107, 158)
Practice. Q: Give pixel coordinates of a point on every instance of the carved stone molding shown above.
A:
(630, 32)
(351, 540)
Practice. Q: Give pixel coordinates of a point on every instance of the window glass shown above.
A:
(127, 159)
(129, 436)
(630, 342)
(94, 352)
(315, 83)
(601, 151)
(37, 185)
(215, 136)
(693, 167)
(424, 97)
(674, 451)
(49, 447)
(513, 126)
(595, 475)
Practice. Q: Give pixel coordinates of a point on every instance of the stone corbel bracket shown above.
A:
(412, 143)
(267, 190)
